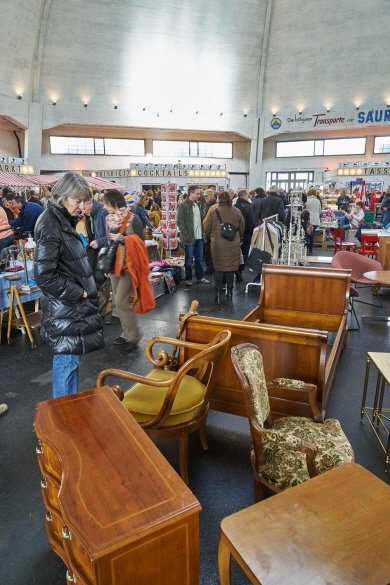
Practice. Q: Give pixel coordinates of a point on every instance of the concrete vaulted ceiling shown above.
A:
(213, 57)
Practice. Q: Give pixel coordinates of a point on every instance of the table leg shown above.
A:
(379, 410)
(223, 562)
(387, 454)
(365, 388)
(375, 408)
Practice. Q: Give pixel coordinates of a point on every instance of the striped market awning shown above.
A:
(44, 179)
(102, 184)
(11, 180)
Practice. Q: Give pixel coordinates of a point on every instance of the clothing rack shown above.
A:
(271, 217)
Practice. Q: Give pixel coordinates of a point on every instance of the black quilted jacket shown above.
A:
(70, 324)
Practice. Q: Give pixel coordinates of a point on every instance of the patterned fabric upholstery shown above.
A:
(286, 465)
(251, 364)
(288, 383)
(286, 468)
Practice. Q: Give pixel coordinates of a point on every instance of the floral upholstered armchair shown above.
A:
(289, 450)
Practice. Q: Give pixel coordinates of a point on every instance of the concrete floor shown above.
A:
(221, 478)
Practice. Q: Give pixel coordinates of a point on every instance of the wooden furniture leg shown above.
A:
(223, 562)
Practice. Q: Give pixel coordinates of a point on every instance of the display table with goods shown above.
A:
(116, 511)
(14, 281)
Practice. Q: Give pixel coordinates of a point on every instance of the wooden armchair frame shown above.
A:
(203, 366)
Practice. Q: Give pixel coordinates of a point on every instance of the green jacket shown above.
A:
(185, 222)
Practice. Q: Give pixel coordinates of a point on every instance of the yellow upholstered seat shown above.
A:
(144, 401)
(169, 403)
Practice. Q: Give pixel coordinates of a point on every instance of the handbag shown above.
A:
(228, 230)
(106, 258)
(257, 258)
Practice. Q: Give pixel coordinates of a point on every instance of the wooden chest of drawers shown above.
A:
(116, 511)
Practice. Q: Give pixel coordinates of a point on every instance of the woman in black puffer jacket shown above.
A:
(70, 322)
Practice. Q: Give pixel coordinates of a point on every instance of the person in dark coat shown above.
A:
(245, 207)
(28, 215)
(139, 209)
(70, 323)
(256, 202)
(272, 205)
(225, 253)
(95, 225)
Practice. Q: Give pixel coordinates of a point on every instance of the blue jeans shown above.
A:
(386, 218)
(8, 241)
(65, 374)
(196, 251)
(344, 223)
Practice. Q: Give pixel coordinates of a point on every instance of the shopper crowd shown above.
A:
(76, 290)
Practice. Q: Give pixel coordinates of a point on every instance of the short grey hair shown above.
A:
(71, 185)
(242, 193)
(273, 189)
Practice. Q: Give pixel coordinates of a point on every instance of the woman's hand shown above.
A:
(85, 294)
(114, 237)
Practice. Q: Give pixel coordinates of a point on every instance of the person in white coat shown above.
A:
(313, 206)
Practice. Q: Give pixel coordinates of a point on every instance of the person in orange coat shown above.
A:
(129, 276)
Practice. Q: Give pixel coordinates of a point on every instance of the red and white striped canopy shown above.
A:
(11, 180)
(44, 179)
(99, 183)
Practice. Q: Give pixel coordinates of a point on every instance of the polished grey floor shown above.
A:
(221, 478)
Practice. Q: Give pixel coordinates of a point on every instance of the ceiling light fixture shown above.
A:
(197, 112)
(388, 106)
(300, 112)
(54, 103)
(221, 114)
(327, 109)
(143, 109)
(20, 96)
(357, 107)
(245, 115)
(115, 107)
(170, 111)
(85, 105)
(274, 113)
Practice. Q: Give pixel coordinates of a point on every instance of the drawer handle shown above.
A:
(44, 483)
(49, 517)
(70, 577)
(66, 533)
(39, 450)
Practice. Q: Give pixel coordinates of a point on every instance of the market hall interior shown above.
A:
(244, 94)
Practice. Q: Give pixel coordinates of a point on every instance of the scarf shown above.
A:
(115, 220)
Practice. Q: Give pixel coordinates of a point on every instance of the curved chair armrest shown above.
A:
(100, 381)
(289, 393)
(163, 358)
(290, 442)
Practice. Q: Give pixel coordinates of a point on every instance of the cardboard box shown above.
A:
(320, 237)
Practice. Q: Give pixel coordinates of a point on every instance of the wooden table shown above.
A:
(381, 278)
(379, 414)
(331, 530)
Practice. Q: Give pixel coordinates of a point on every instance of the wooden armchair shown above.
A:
(291, 449)
(173, 404)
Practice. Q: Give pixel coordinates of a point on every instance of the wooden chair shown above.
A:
(170, 404)
(370, 246)
(339, 244)
(291, 449)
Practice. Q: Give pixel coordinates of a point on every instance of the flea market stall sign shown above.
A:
(152, 171)
(324, 120)
(16, 169)
(364, 168)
